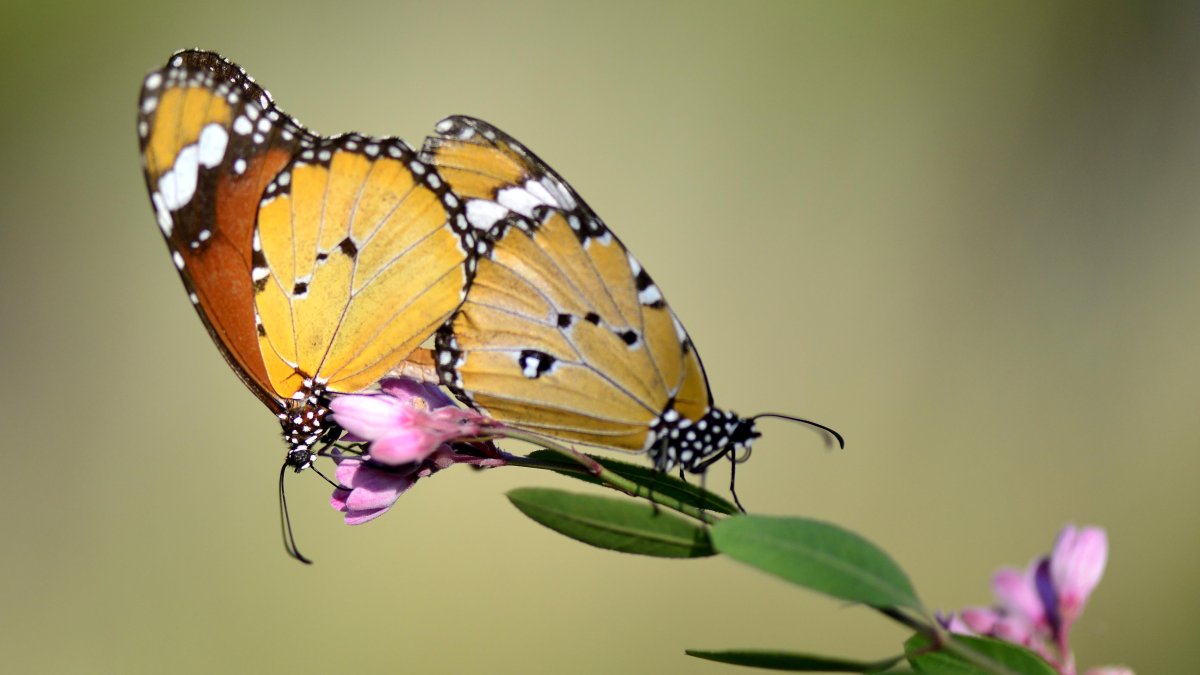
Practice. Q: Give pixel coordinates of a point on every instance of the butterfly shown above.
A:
(563, 333)
(317, 264)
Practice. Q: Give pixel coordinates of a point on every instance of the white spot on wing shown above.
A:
(530, 368)
(213, 140)
(242, 126)
(179, 184)
(540, 193)
(178, 259)
(165, 222)
(483, 214)
(561, 194)
(649, 295)
(633, 264)
(682, 335)
(519, 200)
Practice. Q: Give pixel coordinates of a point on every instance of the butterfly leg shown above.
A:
(732, 487)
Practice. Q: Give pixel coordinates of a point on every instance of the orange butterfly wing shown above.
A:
(211, 140)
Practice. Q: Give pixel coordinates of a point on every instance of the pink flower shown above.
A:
(1036, 607)
(407, 421)
(1110, 670)
(412, 430)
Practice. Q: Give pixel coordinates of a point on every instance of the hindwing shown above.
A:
(562, 331)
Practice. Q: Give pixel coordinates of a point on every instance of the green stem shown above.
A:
(941, 640)
(605, 476)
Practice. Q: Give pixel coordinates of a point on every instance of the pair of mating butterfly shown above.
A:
(319, 265)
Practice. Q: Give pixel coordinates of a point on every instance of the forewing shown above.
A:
(359, 257)
(211, 140)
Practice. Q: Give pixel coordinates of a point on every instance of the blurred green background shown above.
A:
(965, 235)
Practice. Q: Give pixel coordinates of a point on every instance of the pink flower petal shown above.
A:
(360, 517)
(405, 390)
(1076, 566)
(1017, 593)
(376, 488)
(368, 491)
(980, 620)
(1013, 629)
(404, 446)
(338, 500)
(346, 470)
(381, 497)
(1109, 670)
(369, 416)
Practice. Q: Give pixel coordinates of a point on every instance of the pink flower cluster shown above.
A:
(1037, 606)
(413, 430)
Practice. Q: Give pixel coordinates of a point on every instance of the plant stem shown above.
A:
(942, 640)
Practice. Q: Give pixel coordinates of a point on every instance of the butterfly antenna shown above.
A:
(285, 522)
(838, 437)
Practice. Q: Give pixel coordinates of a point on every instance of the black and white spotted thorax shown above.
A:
(306, 422)
(675, 440)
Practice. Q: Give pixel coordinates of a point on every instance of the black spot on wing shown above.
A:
(534, 364)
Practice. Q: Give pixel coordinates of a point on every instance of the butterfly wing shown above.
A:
(562, 331)
(358, 257)
(211, 140)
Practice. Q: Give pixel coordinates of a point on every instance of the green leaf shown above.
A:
(818, 556)
(998, 658)
(807, 663)
(615, 524)
(651, 479)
